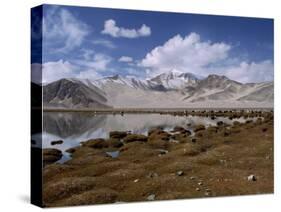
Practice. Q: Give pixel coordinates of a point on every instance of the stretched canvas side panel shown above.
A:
(36, 105)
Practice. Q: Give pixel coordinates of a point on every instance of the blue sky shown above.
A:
(87, 42)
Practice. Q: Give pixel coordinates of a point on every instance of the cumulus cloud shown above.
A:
(187, 53)
(191, 54)
(62, 31)
(251, 72)
(113, 30)
(125, 59)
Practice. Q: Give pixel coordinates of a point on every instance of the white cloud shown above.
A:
(184, 53)
(62, 31)
(251, 72)
(112, 29)
(56, 70)
(97, 61)
(125, 59)
(53, 71)
(105, 43)
(190, 54)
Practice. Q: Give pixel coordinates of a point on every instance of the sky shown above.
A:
(86, 42)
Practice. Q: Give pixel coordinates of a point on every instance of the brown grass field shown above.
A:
(215, 161)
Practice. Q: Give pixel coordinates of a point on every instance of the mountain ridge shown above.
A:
(171, 89)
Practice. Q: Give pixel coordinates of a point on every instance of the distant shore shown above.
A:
(150, 110)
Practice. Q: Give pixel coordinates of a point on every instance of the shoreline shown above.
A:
(152, 110)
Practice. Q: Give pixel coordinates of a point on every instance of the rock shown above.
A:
(252, 178)
(98, 143)
(192, 178)
(151, 197)
(180, 173)
(200, 183)
(136, 180)
(56, 142)
(51, 155)
(118, 134)
(198, 189)
(199, 128)
(135, 137)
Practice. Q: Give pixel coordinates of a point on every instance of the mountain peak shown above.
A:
(215, 76)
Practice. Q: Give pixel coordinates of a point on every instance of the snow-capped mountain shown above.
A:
(171, 89)
(174, 79)
(117, 79)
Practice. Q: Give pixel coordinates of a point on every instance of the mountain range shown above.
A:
(172, 89)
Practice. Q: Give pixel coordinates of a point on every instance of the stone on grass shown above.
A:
(180, 173)
(151, 197)
(252, 178)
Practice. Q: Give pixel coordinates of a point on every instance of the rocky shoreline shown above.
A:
(206, 161)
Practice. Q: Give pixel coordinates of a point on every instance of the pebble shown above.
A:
(151, 197)
(200, 183)
(192, 178)
(207, 194)
(252, 178)
(197, 189)
(136, 180)
(180, 173)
